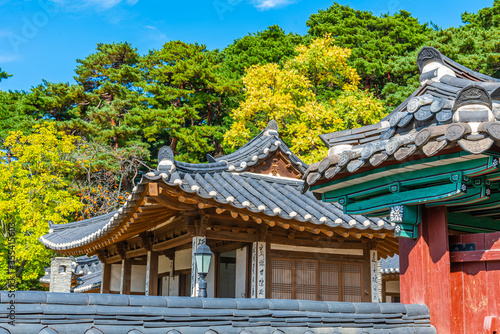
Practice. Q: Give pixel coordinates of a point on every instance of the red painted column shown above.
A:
(425, 268)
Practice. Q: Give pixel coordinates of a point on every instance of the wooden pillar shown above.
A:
(425, 268)
(125, 277)
(106, 278)
(374, 277)
(152, 274)
(195, 278)
(259, 270)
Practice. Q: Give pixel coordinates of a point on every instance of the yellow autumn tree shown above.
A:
(313, 93)
(33, 190)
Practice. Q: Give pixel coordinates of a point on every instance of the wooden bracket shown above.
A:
(262, 233)
(121, 249)
(204, 219)
(374, 244)
(147, 240)
(101, 255)
(190, 224)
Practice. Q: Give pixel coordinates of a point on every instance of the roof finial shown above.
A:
(473, 94)
(272, 125)
(426, 55)
(210, 158)
(165, 153)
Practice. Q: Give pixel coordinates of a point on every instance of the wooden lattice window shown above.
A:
(351, 282)
(281, 278)
(316, 280)
(306, 283)
(329, 281)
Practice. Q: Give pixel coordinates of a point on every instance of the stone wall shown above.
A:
(60, 274)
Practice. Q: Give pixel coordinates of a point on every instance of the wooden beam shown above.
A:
(323, 243)
(136, 253)
(230, 236)
(204, 205)
(475, 256)
(257, 220)
(171, 204)
(172, 243)
(271, 223)
(227, 248)
(113, 259)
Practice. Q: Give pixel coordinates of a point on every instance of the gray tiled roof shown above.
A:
(37, 311)
(390, 265)
(227, 183)
(87, 270)
(426, 123)
(266, 142)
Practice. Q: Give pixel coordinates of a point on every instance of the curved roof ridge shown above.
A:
(453, 106)
(80, 223)
(250, 154)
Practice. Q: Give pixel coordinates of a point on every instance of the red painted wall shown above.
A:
(462, 290)
(425, 268)
(476, 285)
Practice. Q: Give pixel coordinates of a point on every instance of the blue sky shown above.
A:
(41, 39)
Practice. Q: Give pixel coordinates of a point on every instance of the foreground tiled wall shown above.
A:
(47, 312)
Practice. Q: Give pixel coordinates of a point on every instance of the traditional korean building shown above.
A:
(269, 240)
(432, 167)
(86, 273)
(389, 269)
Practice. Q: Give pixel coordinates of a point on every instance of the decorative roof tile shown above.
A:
(454, 106)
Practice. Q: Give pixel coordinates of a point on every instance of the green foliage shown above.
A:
(374, 40)
(296, 96)
(3, 75)
(33, 191)
(184, 96)
(271, 45)
(485, 18)
(473, 47)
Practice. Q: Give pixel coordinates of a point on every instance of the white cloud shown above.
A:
(5, 33)
(7, 58)
(97, 4)
(155, 34)
(269, 4)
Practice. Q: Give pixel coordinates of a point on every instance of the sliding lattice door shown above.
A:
(316, 280)
(281, 278)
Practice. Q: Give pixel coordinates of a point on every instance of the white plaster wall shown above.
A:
(392, 287)
(163, 264)
(165, 285)
(241, 272)
(138, 278)
(211, 280)
(174, 286)
(183, 259)
(115, 277)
